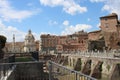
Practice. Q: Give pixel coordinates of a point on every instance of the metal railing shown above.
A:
(23, 71)
(35, 71)
(11, 70)
(20, 54)
(5, 70)
(59, 72)
(8, 59)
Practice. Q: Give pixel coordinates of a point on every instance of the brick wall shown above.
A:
(95, 35)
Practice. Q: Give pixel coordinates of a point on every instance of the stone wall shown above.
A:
(95, 35)
(100, 68)
(115, 73)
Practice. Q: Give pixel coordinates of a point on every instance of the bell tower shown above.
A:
(13, 45)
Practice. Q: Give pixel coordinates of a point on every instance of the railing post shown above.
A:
(50, 70)
(76, 76)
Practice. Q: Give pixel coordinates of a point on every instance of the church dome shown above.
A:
(29, 36)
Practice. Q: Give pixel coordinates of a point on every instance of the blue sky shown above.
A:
(59, 17)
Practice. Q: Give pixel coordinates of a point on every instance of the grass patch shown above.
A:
(23, 59)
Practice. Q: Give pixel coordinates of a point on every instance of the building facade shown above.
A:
(73, 42)
(29, 43)
(76, 42)
(14, 47)
(95, 35)
(96, 41)
(48, 42)
(108, 36)
(110, 30)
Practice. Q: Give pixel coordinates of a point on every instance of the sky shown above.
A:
(55, 17)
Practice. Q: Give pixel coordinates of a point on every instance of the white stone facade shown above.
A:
(29, 44)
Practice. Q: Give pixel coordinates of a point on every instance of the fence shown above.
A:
(23, 71)
(34, 71)
(9, 70)
(8, 59)
(5, 70)
(59, 72)
(34, 55)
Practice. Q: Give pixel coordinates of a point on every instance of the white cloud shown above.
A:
(8, 32)
(69, 6)
(112, 6)
(47, 33)
(69, 29)
(36, 36)
(97, 0)
(51, 22)
(106, 7)
(98, 25)
(66, 23)
(7, 12)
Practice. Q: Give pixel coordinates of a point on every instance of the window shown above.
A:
(106, 19)
(82, 41)
(106, 25)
